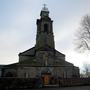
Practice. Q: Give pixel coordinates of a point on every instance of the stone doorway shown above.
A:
(46, 77)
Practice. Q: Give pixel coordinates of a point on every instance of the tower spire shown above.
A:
(44, 7)
(44, 11)
(45, 37)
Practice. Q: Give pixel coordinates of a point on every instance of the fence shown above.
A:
(74, 81)
(6, 83)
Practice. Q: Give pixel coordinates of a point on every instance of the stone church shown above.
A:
(42, 60)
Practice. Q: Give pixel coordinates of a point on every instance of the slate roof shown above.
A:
(29, 52)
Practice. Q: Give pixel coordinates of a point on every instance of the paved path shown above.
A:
(63, 88)
(68, 88)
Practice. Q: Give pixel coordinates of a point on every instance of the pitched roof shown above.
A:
(29, 52)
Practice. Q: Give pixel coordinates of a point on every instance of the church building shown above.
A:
(42, 60)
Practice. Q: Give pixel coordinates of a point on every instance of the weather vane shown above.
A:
(44, 5)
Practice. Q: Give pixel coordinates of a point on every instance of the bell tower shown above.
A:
(45, 37)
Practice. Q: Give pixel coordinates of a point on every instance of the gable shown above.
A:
(29, 52)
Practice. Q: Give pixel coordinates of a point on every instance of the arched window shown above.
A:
(45, 27)
(9, 74)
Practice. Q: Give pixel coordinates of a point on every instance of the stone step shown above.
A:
(50, 85)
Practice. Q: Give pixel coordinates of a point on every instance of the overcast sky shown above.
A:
(18, 27)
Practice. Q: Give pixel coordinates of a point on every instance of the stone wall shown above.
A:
(26, 83)
(32, 72)
(27, 72)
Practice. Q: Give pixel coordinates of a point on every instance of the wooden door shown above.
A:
(46, 79)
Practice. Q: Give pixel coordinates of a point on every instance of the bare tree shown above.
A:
(86, 70)
(85, 73)
(83, 34)
(83, 41)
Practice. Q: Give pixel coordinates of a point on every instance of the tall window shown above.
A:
(26, 75)
(45, 27)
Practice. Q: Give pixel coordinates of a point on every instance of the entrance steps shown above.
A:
(51, 85)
